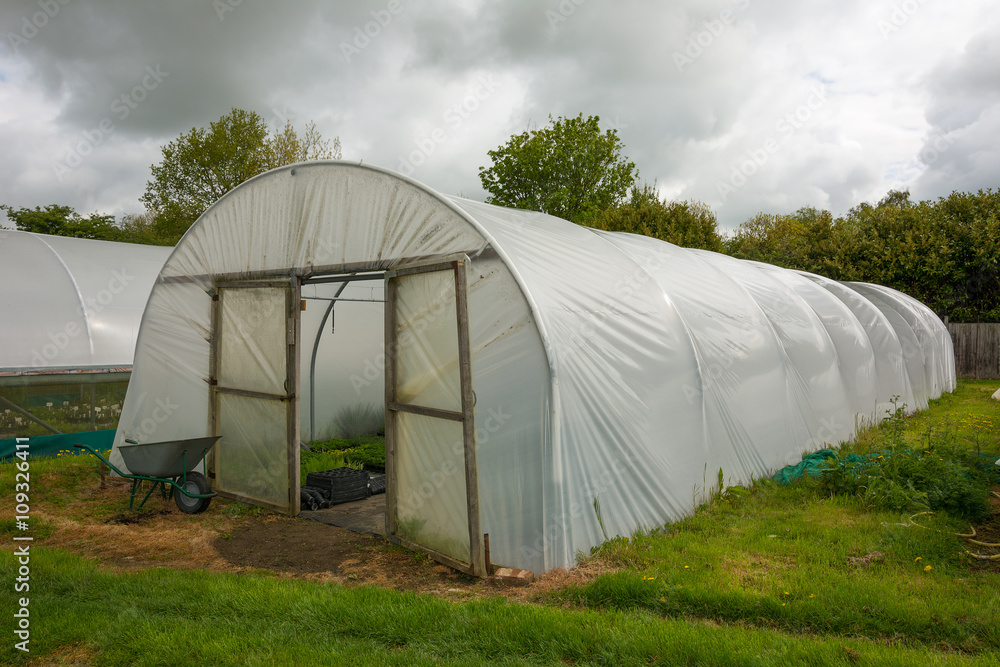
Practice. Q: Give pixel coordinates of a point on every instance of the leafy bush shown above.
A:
(355, 451)
(940, 475)
(315, 461)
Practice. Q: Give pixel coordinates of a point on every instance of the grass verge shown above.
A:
(166, 617)
(814, 557)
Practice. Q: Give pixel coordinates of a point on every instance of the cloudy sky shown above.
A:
(746, 105)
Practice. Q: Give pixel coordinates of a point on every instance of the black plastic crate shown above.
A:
(339, 485)
(338, 479)
(377, 484)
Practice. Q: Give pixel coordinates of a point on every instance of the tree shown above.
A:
(687, 224)
(801, 240)
(202, 165)
(286, 147)
(944, 253)
(569, 169)
(63, 221)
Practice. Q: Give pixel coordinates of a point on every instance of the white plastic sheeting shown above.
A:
(608, 369)
(71, 304)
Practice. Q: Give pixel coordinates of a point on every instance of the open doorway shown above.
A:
(391, 350)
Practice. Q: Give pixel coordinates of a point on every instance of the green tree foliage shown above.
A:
(63, 221)
(569, 168)
(802, 240)
(687, 224)
(202, 165)
(944, 253)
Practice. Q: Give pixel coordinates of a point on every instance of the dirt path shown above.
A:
(229, 537)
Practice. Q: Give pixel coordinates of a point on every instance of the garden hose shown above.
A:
(965, 536)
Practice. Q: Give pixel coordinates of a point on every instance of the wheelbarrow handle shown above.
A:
(104, 460)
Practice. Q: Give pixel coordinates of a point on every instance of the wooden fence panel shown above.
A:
(977, 349)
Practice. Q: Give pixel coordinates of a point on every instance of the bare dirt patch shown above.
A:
(229, 537)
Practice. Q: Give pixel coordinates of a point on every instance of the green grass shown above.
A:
(355, 451)
(798, 559)
(968, 412)
(786, 558)
(166, 617)
(769, 575)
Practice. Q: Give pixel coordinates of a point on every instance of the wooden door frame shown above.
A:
(292, 359)
(457, 266)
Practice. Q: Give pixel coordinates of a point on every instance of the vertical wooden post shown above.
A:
(293, 320)
(468, 419)
(390, 399)
(212, 460)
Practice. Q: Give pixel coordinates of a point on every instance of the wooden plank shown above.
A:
(213, 378)
(425, 411)
(422, 268)
(977, 349)
(251, 501)
(468, 421)
(450, 561)
(251, 394)
(988, 351)
(390, 399)
(293, 359)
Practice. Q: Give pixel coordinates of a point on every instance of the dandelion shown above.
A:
(811, 595)
(917, 559)
(663, 599)
(786, 592)
(783, 604)
(927, 568)
(687, 567)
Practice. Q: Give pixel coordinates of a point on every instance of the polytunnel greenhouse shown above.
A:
(70, 311)
(531, 370)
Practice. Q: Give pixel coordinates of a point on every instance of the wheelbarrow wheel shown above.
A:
(196, 484)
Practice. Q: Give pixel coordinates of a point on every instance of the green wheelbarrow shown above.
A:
(170, 462)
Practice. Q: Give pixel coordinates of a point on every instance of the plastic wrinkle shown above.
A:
(609, 369)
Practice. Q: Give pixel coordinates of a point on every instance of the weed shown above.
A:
(356, 420)
(940, 474)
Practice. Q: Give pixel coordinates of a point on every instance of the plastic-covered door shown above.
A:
(254, 402)
(433, 493)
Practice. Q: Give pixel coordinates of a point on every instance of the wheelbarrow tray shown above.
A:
(168, 459)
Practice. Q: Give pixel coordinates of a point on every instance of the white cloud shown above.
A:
(385, 77)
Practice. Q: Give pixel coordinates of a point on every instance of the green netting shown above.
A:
(811, 464)
(51, 445)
